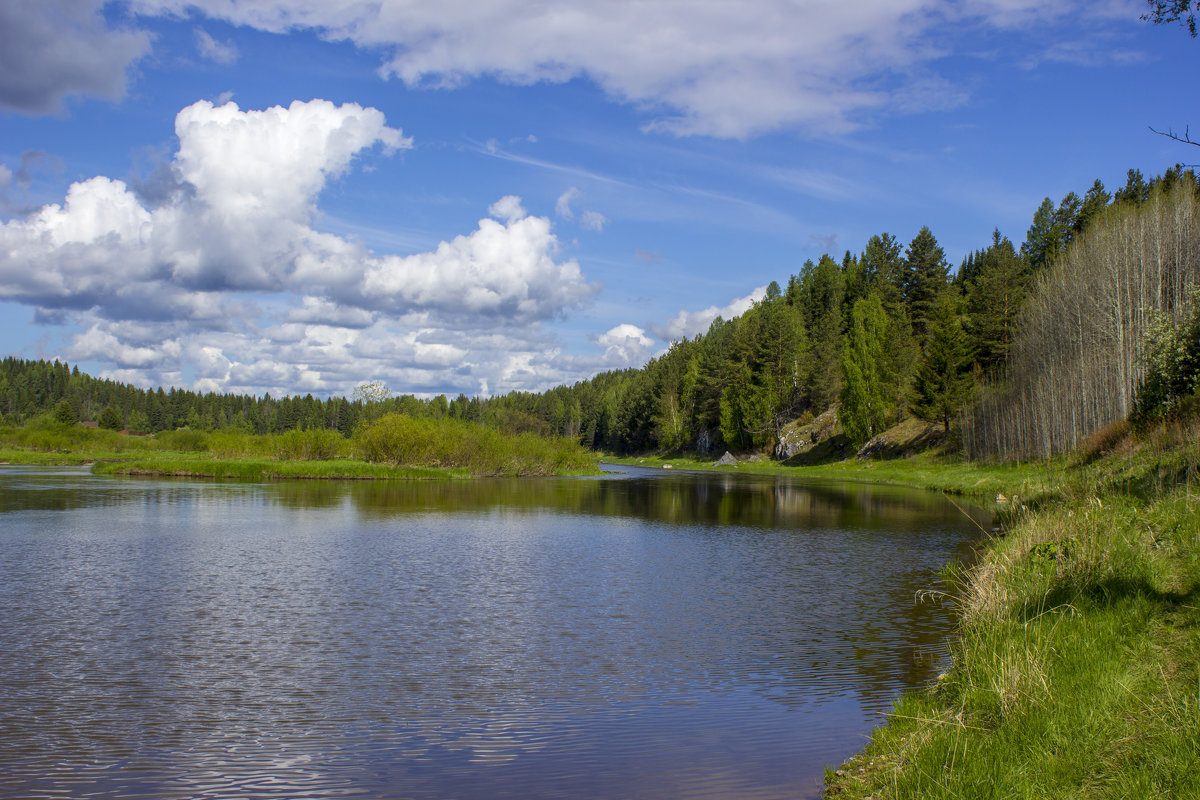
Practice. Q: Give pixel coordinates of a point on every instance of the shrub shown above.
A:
(1172, 363)
(314, 444)
(183, 439)
(408, 441)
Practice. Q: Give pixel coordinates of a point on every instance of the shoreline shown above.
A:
(1075, 671)
(175, 464)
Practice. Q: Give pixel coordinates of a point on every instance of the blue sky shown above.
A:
(299, 196)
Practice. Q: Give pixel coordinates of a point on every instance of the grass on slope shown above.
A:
(1076, 673)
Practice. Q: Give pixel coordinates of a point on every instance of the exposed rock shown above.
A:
(668, 466)
(727, 460)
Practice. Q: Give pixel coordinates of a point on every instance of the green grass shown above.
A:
(1076, 672)
(398, 439)
(392, 448)
(265, 469)
(1030, 483)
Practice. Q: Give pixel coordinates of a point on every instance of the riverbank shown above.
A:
(181, 465)
(1034, 483)
(1076, 671)
(391, 448)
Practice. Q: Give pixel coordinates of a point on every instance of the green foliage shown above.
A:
(995, 289)
(409, 441)
(1075, 673)
(864, 406)
(1167, 11)
(1171, 362)
(823, 294)
(65, 414)
(313, 444)
(926, 276)
(944, 381)
(183, 439)
(267, 469)
(884, 269)
(112, 419)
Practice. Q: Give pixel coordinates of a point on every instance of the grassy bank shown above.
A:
(1076, 672)
(183, 465)
(392, 448)
(1031, 483)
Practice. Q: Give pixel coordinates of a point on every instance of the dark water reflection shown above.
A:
(643, 636)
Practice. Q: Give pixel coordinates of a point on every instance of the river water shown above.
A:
(645, 635)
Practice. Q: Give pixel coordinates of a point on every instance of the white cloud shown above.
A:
(687, 324)
(625, 346)
(562, 206)
(507, 208)
(593, 220)
(210, 48)
(226, 280)
(53, 49)
(721, 69)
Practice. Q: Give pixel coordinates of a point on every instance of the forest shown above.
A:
(1021, 351)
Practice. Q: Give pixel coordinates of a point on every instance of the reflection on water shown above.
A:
(647, 635)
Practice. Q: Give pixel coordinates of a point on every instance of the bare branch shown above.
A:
(1185, 139)
(1170, 134)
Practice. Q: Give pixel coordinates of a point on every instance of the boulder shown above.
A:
(727, 460)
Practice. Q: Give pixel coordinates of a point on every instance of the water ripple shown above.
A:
(686, 638)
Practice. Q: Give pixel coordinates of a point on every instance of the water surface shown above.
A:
(649, 635)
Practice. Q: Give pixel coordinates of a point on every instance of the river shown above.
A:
(642, 635)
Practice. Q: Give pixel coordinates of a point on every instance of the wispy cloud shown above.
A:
(730, 70)
(210, 48)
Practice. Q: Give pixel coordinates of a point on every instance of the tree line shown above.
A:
(889, 333)
(1022, 350)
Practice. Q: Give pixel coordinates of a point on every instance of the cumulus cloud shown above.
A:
(687, 324)
(225, 279)
(720, 69)
(625, 345)
(53, 49)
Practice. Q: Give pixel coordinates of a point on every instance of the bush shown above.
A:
(234, 443)
(1172, 364)
(183, 439)
(314, 444)
(407, 441)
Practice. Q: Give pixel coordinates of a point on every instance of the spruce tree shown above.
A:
(927, 274)
(884, 268)
(944, 381)
(994, 296)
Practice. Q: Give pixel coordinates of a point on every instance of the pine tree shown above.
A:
(944, 380)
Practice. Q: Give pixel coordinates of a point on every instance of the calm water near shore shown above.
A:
(646, 635)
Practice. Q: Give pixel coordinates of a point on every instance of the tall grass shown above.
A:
(402, 440)
(451, 448)
(44, 435)
(176, 465)
(1076, 673)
